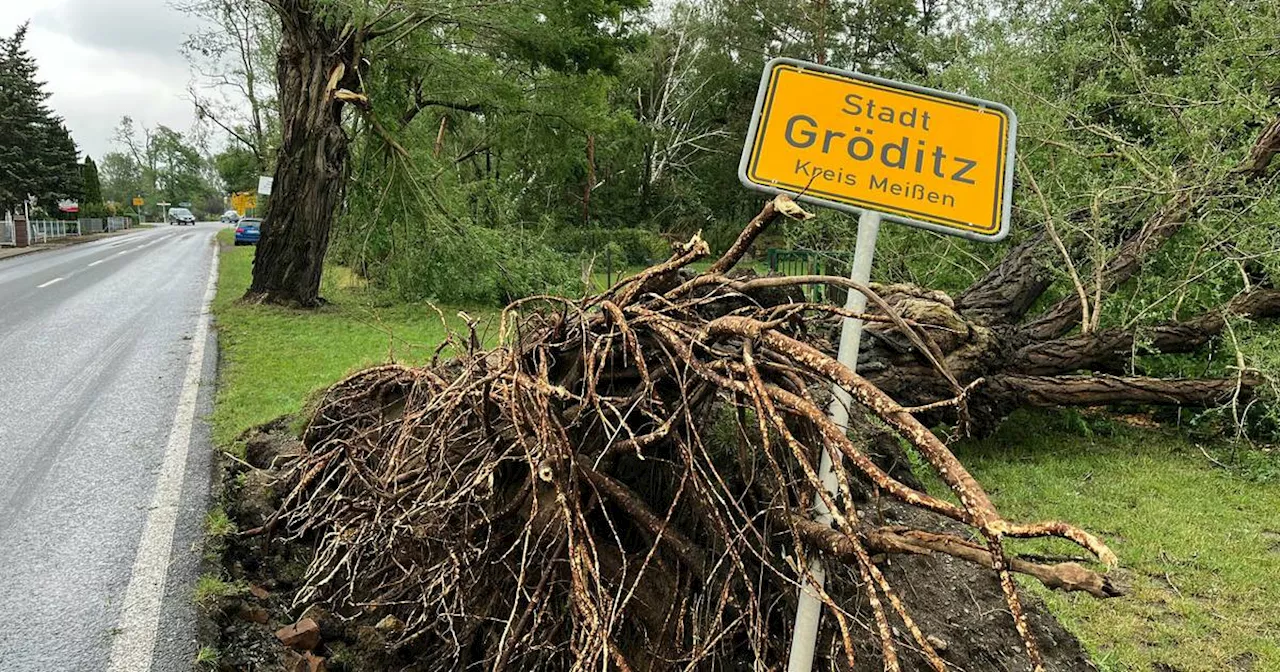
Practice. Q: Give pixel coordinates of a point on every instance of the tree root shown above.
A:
(627, 481)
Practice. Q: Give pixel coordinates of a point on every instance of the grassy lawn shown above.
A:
(275, 359)
(1199, 545)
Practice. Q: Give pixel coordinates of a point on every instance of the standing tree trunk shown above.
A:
(314, 68)
(591, 179)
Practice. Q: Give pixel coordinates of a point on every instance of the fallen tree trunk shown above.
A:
(629, 480)
(989, 339)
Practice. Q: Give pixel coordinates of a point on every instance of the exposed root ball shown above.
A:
(627, 482)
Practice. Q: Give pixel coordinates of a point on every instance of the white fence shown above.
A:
(44, 229)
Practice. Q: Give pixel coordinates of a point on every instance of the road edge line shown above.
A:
(139, 622)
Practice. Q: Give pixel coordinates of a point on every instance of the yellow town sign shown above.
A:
(930, 159)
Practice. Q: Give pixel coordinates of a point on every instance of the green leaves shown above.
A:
(92, 186)
(237, 169)
(157, 163)
(576, 36)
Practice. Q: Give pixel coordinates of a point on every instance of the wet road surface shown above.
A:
(106, 371)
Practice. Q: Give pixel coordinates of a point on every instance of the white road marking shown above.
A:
(49, 283)
(123, 252)
(131, 651)
(97, 262)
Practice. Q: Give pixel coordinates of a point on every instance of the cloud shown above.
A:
(151, 29)
(102, 59)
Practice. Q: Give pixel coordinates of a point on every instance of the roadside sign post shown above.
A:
(885, 150)
(804, 636)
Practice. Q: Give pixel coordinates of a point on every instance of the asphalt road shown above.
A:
(106, 365)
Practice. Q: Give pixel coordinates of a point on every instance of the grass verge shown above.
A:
(274, 359)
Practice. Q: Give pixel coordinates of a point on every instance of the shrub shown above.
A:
(93, 211)
(637, 246)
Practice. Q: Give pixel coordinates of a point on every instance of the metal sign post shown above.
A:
(928, 159)
(809, 610)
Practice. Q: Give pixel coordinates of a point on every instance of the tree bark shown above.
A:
(1101, 390)
(1008, 290)
(1065, 315)
(315, 61)
(1112, 350)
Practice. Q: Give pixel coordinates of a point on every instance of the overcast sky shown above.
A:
(103, 59)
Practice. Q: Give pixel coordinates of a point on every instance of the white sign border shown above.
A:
(1007, 208)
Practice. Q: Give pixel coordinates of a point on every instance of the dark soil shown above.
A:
(958, 604)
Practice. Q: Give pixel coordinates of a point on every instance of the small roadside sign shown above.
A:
(137, 201)
(264, 185)
(926, 158)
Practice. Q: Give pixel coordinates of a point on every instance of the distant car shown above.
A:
(248, 231)
(230, 217)
(181, 217)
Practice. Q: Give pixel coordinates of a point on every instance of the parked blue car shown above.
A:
(248, 231)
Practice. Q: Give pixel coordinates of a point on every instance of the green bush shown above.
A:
(93, 211)
(486, 266)
(637, 246)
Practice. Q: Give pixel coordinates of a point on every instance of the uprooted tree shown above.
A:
(563, 502)
(628, 480)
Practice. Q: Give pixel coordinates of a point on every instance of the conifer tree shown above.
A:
(37, 155)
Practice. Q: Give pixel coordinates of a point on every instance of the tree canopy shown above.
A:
(232, 58)
(156, 163)
(92, 185)
(237, 169)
